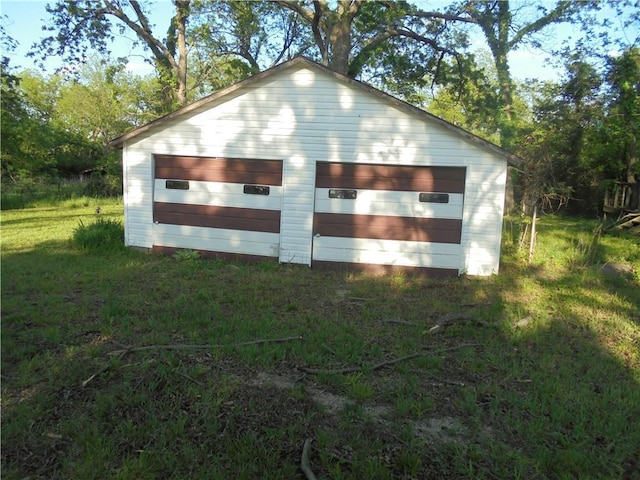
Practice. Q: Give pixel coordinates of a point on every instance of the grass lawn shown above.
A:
(532, 374)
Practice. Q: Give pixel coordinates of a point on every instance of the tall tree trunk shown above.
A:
(505, 86)
(340, 37)
(341, 46)
(632, 159)
(182, 7)
(496, 26)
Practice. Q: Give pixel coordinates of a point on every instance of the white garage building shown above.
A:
(307, 166)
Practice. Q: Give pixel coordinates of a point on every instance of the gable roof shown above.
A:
(305, 62)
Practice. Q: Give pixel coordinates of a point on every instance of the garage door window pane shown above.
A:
(434, 197)
(256, 189)
(344, 194)
(177, 185)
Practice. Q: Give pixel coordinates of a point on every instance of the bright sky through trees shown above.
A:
(24, 20)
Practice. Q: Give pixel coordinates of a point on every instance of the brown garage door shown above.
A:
(384, 217)
(221, 205)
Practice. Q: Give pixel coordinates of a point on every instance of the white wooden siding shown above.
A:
(296, 220)
(303, 116)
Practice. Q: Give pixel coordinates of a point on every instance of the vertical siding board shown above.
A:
(482, 217)
(304, 116)
(297, 211)
(138, 201)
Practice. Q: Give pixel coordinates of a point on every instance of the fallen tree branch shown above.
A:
(102, 370)
(399, 322)
(203, 347)
(197, 382)
(121, 353)
(387, 363)
(304, 461)
(329, 349)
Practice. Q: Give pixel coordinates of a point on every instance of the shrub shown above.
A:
(187, 256)
(102, 235)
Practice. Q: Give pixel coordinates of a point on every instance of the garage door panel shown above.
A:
(219, 169)
(383, 202)
(385, 177)
(220, 176)
(217, 217)
(217, 240)
(222, 194)
(386, 252)
(385, 227)
(384, 219)
(218, 205)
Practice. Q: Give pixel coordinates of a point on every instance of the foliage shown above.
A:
(380, 42)
(583, 132)
(572, 135)
(187, 256)
(244, 411)
(506, 27)
(623, 77)
(36, 143)
(556, 153)
(31, 192)
(59, 128)
(103, 235)
(465, 95)
(258, 33)
(79, 26)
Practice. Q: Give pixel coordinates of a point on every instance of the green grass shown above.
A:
(558, 397)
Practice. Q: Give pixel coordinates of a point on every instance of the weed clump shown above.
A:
(102, 235)
(191, 257)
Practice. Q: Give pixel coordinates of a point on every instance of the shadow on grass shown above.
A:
(556, 397)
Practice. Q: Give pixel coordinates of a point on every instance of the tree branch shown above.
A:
(314, 18)
(317, 34)
(401, 32)
(556, 15)
(354, 8)
(380, 365)
(304, 461)
(159, 50)
(444, 16)
(288, 40)
(203, 347)
(297, 8)
(144, 21)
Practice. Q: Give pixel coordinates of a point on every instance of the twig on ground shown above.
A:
(329, 349)
(447, 320)
(400, 322)
(121, 353)
(442, 381)
(304, 461)
(203, 347)
(197, 382)
(102, 370)
(386, 363)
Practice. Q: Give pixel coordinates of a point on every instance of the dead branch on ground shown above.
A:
(387, 363)
(304, 461)
(121, 353)
(399, 322)
(203, 347)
